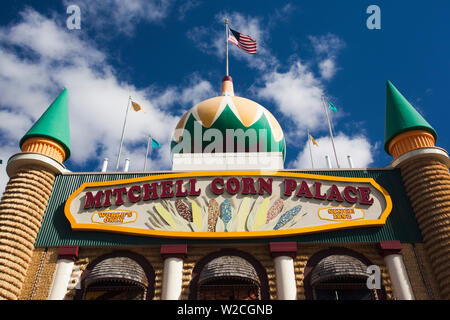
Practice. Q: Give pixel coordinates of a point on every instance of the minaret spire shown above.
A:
(403, 122)
(50, 134)
(410, 139)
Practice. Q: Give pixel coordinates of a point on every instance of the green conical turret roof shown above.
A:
(53, 124)
(401, 116)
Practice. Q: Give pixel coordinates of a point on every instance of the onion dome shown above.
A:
(53, 125)
(240, 125)
(401, 117)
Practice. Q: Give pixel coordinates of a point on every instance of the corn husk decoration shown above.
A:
(242, 214)
(167, 217)
(197, 217)
(161, 218)
(261, 214)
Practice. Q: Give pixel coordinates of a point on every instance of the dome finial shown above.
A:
(227, 86)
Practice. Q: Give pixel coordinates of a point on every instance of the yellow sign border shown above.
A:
(227, 235)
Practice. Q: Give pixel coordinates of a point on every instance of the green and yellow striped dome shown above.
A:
(228, 114)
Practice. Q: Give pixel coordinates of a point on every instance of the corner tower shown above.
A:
(32, 172)
(410, 139)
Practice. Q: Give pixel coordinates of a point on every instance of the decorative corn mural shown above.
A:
(202, 215)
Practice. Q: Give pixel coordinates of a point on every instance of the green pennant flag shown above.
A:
(331, 106)
(155, 144)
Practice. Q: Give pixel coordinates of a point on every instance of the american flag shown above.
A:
(243, 41)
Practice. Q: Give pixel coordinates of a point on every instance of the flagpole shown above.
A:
(310, 151)
(331, 133)
(226, 43)
(148, 148)
(123, 132)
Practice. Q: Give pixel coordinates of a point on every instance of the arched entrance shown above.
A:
(341, 277)
(117, 276)
(229, 275)
(228, 278)
(339, 274)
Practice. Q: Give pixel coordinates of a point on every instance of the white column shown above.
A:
(61, 279)
(172, 279)
(401, 286)
(399, 277)
(173, 255)
(285, 276)
(67, 255)
(283, 254)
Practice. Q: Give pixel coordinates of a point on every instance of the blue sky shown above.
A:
(169, 55)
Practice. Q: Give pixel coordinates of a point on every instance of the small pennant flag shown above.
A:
(137, 107)
(331, 106)
(155, 144)
(243, 41)
(313, 141)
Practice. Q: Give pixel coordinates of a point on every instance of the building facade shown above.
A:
(228, 221)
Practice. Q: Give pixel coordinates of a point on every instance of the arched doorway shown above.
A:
(117, 276)
(229, 275)
(228, 278)
(339, 274)
(341, 277)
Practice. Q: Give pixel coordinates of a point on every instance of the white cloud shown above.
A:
(357, 147)
(42, 36)
(119, 15)
(186, 7)
(327, 68)
(212, 40)
(328, 44)
(297, 94)
(188, 95)
(97, 99)
(327, 48)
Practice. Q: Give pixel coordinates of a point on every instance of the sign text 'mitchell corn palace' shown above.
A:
(350, 194)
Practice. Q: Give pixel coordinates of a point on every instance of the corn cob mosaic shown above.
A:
(184, 210)
(225, 212)
(203, 215)
(213, 215)
(287, 216)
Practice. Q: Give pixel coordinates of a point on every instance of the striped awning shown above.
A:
(338, 266)
(117, 269)
(228, 267)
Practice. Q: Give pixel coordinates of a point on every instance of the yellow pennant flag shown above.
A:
(137, 107)
(313, 141)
